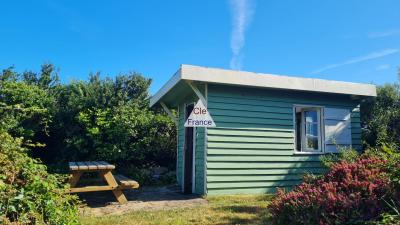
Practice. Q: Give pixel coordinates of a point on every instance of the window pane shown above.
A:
(311, 129)
(311, 116)
(312, 142)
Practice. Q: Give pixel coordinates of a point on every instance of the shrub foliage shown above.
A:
(28, 194)
(349, 193)
(99, 119)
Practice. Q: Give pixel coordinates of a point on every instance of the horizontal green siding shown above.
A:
(249, 145)
(258, 152)
(245, 158)
(259, 165)
(251, 190)
(263, 171)
(251, 132)
(252, 148)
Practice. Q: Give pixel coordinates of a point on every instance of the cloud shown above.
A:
(370, 56)
(383, 34)
(242, 13)
(383, 67)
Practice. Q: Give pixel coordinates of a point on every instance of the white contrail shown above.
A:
(373, 55)
(242, 12)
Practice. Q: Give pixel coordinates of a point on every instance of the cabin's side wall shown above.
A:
(252, 148)
(199, 147)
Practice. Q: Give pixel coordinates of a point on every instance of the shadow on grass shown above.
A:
(244, 214)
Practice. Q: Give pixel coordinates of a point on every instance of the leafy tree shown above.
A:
(24, 108)
(381, 117)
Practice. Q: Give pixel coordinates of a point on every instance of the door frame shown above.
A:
(193, 153)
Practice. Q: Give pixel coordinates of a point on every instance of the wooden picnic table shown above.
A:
(114, 183)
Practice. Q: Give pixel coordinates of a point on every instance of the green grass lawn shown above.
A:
(234, 209)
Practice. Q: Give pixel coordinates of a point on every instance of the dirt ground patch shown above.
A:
(148, 199)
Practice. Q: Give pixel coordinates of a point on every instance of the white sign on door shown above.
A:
(199, 117)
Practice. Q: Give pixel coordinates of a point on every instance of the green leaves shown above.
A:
(127, 135)
(380, 117)
(28, 194)
(99, 119)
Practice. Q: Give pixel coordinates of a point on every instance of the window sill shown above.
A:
(308, 153)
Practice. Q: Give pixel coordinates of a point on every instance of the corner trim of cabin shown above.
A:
(205, 145)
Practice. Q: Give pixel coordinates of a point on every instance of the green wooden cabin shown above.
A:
(270, 129)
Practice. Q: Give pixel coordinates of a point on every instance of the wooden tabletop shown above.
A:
(90, 165)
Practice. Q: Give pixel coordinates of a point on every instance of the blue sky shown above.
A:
(356, 41)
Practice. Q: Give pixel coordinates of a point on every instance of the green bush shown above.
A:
(28, 194)
(345, 154)
(380, 118)
(98, 119)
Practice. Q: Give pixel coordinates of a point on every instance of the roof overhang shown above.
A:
(241, 78)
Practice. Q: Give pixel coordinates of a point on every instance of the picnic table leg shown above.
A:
(112, 182)
(73, 180)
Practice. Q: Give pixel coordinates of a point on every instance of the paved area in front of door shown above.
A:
(146, 198)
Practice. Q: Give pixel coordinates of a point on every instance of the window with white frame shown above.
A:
(308, 129)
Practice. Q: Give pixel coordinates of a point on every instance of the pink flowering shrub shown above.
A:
(349, 193)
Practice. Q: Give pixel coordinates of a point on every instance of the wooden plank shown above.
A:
(108, 165)
(73, 166)
(90, 165)
(249, 145)
(251, 184)
(252, 129)
(265, 171)
(251, 133)
(222, 178)
(245, 158)
(243, 125)
(126, 182)
(259, 165)
(232, 191)
(251, 97)
(230, 103)
(92, 188)
(249, 114)
(250, 108)
(249, 152)
(99, 166)
(243, 139)
(113, 183)
(82, 166)
(75, 176)
(231, 119)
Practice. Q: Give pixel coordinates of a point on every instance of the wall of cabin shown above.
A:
(252, 148)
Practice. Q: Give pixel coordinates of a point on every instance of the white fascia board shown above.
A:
(212, 75)
(165, 88)
(241, 78)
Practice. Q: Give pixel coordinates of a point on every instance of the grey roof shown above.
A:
(241, 78)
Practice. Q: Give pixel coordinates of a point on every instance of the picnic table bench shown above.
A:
(115, 183)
